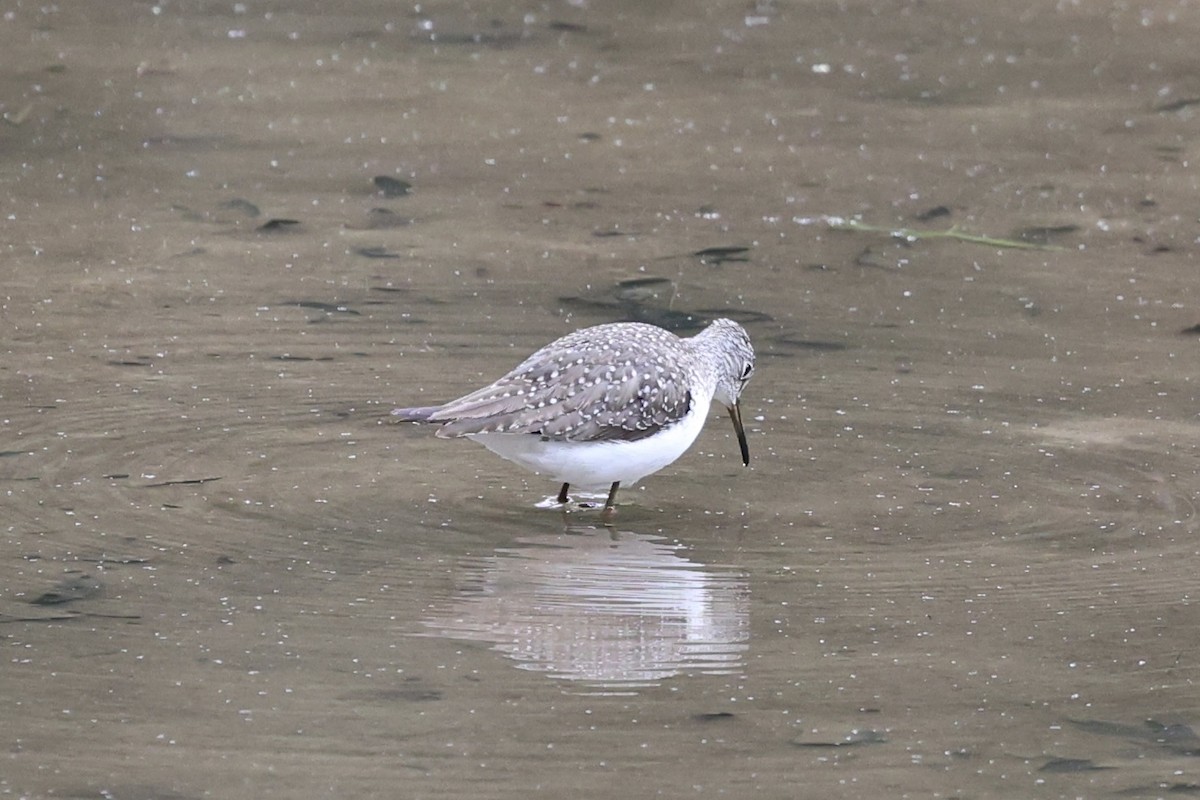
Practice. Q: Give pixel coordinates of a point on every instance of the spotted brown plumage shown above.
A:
(611, 382)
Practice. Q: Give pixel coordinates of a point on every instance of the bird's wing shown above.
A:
(573, 392)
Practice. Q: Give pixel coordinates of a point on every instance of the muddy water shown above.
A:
(962, 563)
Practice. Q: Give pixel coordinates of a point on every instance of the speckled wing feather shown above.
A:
(584, 387)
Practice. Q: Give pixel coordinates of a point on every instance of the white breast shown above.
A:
(596, 465)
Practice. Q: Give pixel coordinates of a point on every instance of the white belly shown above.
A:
(597, 465)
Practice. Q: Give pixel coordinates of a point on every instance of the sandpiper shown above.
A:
(606, 405)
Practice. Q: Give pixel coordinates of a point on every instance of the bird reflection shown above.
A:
(614, 610)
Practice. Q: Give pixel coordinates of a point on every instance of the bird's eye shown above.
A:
(747, 371)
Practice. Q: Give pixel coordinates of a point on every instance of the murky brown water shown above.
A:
(962, 564)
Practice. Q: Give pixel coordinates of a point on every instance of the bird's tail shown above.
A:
(420, 414)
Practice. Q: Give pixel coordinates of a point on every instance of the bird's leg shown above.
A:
(610, 504)
(562, 494)
(612, 497)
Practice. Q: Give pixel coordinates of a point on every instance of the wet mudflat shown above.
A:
(961, 563)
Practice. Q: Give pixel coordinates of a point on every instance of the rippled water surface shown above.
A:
(961, 563)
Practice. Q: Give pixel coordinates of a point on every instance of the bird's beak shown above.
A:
(735, 414)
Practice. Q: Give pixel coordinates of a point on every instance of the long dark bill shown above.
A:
(735, 414)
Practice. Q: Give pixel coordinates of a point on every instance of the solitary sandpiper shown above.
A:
(606, 405)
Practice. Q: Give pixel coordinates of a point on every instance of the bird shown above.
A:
(604, 406)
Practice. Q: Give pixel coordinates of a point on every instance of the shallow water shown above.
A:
(961, 561)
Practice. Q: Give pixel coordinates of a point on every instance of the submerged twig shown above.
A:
(913, 235)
